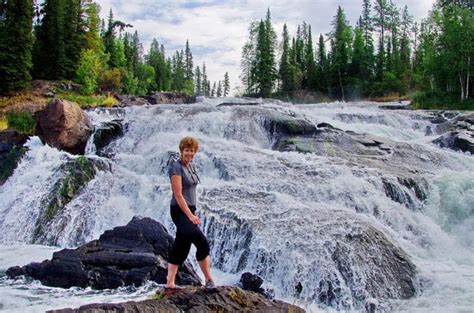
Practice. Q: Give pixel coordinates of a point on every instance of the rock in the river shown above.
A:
(11, 151)
(72, 177)
(221, 299)
(457, 140)
(105, 134)
(63, 124)
(127, 255)
(169, 98)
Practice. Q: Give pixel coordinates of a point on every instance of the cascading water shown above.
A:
(324, 222)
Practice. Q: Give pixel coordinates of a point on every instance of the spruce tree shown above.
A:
(205, 84)
(213, 90)
(226, 84)
(323, 66)
(341, 39)
(109, 41)
(285, 73)
(49, 50)
(219, 89)
(310, 63)
(15, 45)
(198, 84)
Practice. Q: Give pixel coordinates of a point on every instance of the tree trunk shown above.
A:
(462, 86)
(467, 76)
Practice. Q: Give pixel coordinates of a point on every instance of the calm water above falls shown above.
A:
(280, 214)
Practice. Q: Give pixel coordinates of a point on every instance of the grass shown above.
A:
(110, 101)
(23, 122)
(83, 101)
(3, 124)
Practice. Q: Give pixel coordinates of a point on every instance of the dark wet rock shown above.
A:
(221, 299)
(281, 126)
(326, 125)
(396, 107)
(251, 282)
(457, 141)
(169, 98)
(72, 177)
(228, 104)
(105, 134)
(11, 152)
(125, 101)
(63, 124)
(394, 266)
(124, 256)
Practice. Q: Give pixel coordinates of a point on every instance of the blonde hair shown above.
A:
(189, 142)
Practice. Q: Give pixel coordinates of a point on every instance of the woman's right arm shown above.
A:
(176, 187)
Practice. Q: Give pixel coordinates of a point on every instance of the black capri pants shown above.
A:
(187, 233)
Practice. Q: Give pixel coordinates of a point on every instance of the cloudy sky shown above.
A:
(217, 30)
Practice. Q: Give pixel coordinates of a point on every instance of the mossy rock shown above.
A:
(73, 177)
(11, 152)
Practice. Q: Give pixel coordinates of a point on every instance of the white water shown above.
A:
(293, 204)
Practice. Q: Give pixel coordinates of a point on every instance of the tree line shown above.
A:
(67, 40)
(386, 52)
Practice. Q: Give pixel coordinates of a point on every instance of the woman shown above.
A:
(184, 180)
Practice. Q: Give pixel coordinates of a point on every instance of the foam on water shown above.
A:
(255, 201)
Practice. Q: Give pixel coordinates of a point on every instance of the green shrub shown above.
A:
(109, 101)
(437, 100)
(3, 124)
(88, 71)
(110, 80)
(23, 122)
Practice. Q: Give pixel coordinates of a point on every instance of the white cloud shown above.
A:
(218, 29)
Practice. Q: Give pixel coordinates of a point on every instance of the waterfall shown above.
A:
(321, 220)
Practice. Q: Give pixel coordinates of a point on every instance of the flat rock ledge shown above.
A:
(194, 299)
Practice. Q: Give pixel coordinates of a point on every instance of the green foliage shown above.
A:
(88, 72)
(129, 83)
(23, 122)
(437, 100)
(110, 81)
(110, 101)
(146, 79)
(15, 44)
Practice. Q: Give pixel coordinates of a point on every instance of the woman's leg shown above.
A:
(170, 278)
(178, 254)
(205, 266)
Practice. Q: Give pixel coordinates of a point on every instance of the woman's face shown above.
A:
(188, 154)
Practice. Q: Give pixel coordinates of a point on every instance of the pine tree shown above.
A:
(15, 45)
(109, 41)
(284, 69)
(265, 69)
(205, 84)
(323, 66)
(341, 38)
(219, 89)
(74, 36)
(198, 84)
(213, 90)
(189, 63)
(310, 63)
(49, 54)
(248, 60)
(226, 84)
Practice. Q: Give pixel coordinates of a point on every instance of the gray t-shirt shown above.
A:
(189, 180)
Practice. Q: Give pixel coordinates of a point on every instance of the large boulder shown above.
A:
(169, 98)
(63, 124)
(71, 178)
(11, 151)
(221, 299)
(127, 255)
(457, 141)
(105, 134)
